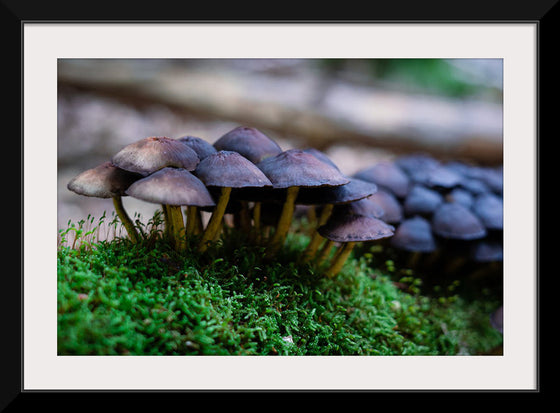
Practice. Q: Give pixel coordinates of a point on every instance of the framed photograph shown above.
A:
(122, 56)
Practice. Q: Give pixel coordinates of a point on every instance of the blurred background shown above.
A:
(358, 111)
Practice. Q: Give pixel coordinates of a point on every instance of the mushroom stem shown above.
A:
(166, 221)
(316, 238)
(284, 221)
(177, 227)
(325, 251)
(256, 232)
(193, 220)
(215, 221)
(339, 259)
(125, 219)
(413, 259)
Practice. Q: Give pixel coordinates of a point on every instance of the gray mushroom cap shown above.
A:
(103, 181)
(354, 228)
(151, 154)
(489, 208)
(387, 175)
(414, 234)
(392, 209)
(200, 146)
(230, 169)
(422, 201)
(454, 221)
(172, 186)
(249, 142)
(355, 190)
(295, 167)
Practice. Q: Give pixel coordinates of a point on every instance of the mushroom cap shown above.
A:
(421, 200)
(489, 209)
(321, 156)
(354, 228)
(428, 171)
(461, 196)
(230, 169)
(392, 209)
(387, 175)
(414, 234)
(365, 207)
(454, 221)
(150, 154)
(249, 142)
(200, 146)
(294, 167)
(355, 190)
(172, 186)
(103, 181)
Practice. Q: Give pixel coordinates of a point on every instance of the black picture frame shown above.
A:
(15, 14)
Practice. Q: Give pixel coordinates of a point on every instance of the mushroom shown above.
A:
(489, 209)
(453, 221)
(387, 175)
(327, 198)
(200, 146)
(350, 229)
(461, 196)
(150, 154)
(421, 201)
(392, 209)
(226, 170)
(457, 225)
(415, 236)
(249, 142)
(173, 188)
(290, 170)
(108, 181)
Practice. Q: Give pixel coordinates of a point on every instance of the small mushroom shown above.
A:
(291, 170)
(415, 236)
(249, 142)
(457, 225)
(151, 154)
(350, 229)
(107, 181)
(200, 146)
(392, 209)
(226, 170)
(327, 197)
(489, 209)
(387, 175)
(421, 201)
(453, 221)
(461, 196)
(173, 188)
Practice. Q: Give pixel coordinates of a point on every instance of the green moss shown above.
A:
(147, 299)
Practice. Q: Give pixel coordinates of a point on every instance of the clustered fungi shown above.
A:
(244, 173)
(444, 213)
(415, 202)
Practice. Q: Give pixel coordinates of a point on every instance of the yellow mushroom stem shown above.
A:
(284, 221)
(316, 239)
(125, 219)
(325, 252)
(339, 259)
(215, 222)
(192, 227)
(177, 227)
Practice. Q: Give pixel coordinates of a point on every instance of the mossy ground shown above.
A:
(119, 298)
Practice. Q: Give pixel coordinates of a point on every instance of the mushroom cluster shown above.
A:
(245, 174)
(450, 213)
